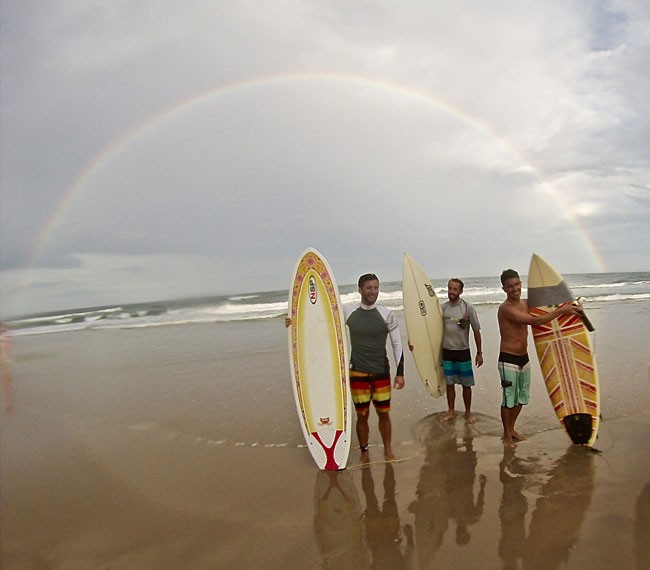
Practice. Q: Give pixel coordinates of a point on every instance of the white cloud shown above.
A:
(499, 126)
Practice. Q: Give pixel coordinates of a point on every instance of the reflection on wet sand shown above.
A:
(350, 538)
(513, 509)
(560, 510)
(388, 547)
(445, 490)
(337, 521)
(642, 529)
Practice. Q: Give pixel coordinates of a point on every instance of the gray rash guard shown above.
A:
(457, 338)
(369, 327)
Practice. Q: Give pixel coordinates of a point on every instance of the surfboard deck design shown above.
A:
(318, 357)
(565, 354)
(424, 325)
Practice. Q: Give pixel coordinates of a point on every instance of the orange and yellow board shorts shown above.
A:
(366, 388)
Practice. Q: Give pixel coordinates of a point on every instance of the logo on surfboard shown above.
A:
(313, 295)
(423, 308)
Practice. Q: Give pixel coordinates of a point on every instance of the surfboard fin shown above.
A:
(579, 427)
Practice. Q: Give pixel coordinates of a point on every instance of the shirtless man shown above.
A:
(514, 367)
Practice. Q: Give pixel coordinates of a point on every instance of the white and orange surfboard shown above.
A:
(318, 357)
(565, 354)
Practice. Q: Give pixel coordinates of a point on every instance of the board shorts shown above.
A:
(366, 388)
(457, 365)
(514, 371)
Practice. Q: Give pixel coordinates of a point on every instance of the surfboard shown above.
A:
(565, 353)
(424, 325)
(318, 357)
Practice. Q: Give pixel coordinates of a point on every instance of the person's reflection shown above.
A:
(383, 531)
(642, 529)
(461, 472)
(560, 510)
(445, 490)
(337, 521)
(512, 511)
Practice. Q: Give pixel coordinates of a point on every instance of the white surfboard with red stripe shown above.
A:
(565, 354)
(318, 356)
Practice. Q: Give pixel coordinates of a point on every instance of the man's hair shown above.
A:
(508, 274)
(367, 277)
(456, 280)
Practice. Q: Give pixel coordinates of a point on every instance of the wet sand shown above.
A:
(179, 447)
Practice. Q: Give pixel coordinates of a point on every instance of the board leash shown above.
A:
(379, 462)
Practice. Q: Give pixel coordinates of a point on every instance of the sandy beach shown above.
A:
(179, 447)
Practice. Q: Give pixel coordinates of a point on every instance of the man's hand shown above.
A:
(399, 382)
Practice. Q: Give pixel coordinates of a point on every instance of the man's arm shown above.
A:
(479, 348)
(398, 354)
(521, 317)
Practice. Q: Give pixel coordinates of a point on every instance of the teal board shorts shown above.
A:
(514, 371)
(457, 365)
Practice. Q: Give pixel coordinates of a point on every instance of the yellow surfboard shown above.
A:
(318, 357)
(424, 325)
(565, 354)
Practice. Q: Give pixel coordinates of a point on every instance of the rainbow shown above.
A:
(120, 143)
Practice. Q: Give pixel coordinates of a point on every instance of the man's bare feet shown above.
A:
(448, 416)
(508, 443)
(519, 437)
(389, 455)
(469, 418)
(365, 456)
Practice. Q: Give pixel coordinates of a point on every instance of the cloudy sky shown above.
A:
(157, 149)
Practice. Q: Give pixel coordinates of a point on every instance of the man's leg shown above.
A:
(467, 399)
(363, 431)
(508, 418)
(451, 402)
(386, 431)
(515, 434)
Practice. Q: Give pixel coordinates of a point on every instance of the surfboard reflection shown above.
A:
(350, 536)
(446, 489)
(559, 511)
(337, 521)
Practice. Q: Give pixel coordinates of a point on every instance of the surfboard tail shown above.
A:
(580, 428)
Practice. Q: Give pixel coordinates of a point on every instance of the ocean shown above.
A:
(595, 289)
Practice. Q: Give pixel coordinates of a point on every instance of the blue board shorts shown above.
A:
(514, 371)
(457, 365)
